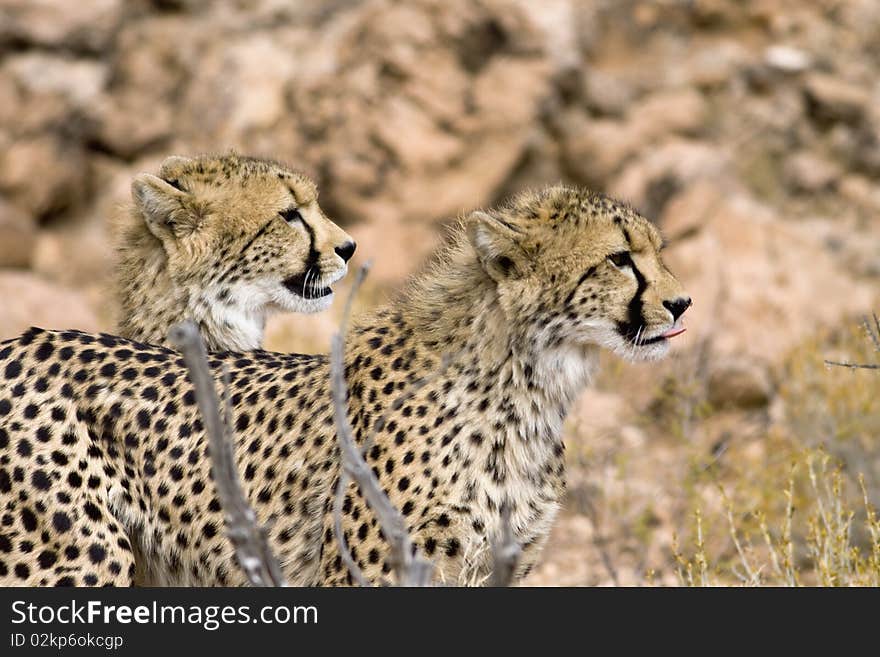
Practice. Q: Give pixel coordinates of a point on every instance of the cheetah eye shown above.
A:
(620, 259)
(291, 215)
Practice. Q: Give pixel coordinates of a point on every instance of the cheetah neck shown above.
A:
(457, 310)
(153, 302)
(503, 402)
(234, 322)
(538, 383)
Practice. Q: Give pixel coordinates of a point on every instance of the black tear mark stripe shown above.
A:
(314, 256)
(256, 236)
(587, 274)
(634, 319)
(244, 249)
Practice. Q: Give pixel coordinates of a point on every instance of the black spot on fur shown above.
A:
(97, 553)
(41, 480)
(44, 351)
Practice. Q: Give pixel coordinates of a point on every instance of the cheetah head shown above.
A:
(574, 268)
(247, 231)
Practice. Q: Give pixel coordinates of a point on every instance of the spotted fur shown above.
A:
(103, 458)
(224, 240)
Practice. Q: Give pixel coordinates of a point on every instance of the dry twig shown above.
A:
(342, 484)
(506, 552)
(412, 570)
(252, 550)
(874, 336)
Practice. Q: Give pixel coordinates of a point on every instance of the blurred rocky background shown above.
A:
(748, 130)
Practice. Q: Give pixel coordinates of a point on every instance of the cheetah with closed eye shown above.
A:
(224, 240)
(103, 454)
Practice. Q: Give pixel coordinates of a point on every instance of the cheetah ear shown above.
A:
(166, 210)
(174, 162)
(497, 245)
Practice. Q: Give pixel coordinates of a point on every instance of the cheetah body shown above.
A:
(103, 457)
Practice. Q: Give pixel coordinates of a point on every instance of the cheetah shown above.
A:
(224, 240)
(102, 448)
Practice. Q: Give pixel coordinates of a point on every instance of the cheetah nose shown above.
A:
(677, 306)
(346, 250)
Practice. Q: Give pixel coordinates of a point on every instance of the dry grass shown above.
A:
(820, 547)
(680, 492)
(800, 511)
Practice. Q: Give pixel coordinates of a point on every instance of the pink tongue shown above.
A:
(671, 333)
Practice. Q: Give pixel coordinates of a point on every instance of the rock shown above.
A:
(429, 107)
(11, 94)
(754, 299)
(566, 29)
(29, 300)
(786, 59)
(861, 191)
(807, 172)
(865, 151)
(830, 98)
(740, 384)
(682, 111)
(414, 138)
(77, 81)
(263, 67)
(606, 94)
(43, 175)
(539, 165)
(305, 334)
(711, 67)
(85, 25)
(598, 414)
(240, 87)
(713, 13)
(155, 57)
(593, 150)
(17, 236)
(690, 210)
(31, 107)
(125, 124)
(652, 180)
(77, 254)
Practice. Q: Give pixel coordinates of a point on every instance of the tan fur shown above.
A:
(204, 240)
(101, 442)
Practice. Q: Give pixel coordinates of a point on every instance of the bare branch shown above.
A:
(252, 550)
(853, 366)
(411, 569)
(342, 483)
(873, 336)
(506, 552)
(873, 331)
(600, 541)
(355, 570)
